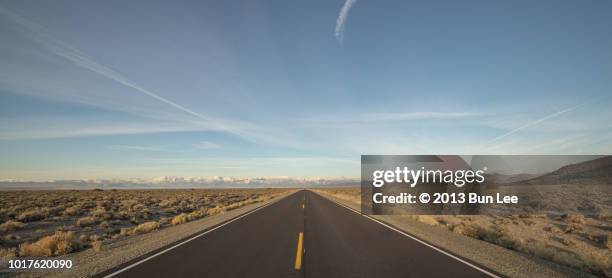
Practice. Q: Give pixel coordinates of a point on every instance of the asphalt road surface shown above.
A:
(334, 242)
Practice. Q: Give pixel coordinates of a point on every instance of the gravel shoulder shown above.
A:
(88, 262)
(501, 260)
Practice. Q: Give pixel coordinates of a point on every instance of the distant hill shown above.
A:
(593, 171)
(500, 179)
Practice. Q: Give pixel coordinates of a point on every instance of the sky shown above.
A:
(141, 89)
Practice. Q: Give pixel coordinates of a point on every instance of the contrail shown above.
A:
(341, 20)
(82, 60)
(538, 121)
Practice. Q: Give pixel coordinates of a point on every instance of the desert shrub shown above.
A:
(60, 243)
(101, 213)
(164, 220)
(553, 229)
(146, 227)
(598, 263)
(466, 230)
(575, 218)
(198, 214)
(105, 225)
(11, 226)
(605, 240)
(429, 220)
(566, 241)
(604, 216)
(180, 219)
(97, 245)
(233, 206)
(125, 231)
(215, 210)
(57, 210)
(10, 237)
(499, 234)
(168, 203)
(7, 253)
(86, 221)
(32, 215)
(574, 227)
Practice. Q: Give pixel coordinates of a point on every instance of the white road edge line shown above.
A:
(414, 238)
(192, 238)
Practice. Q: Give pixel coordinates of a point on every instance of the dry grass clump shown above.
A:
(604, 240)
(125, 231)
(11, 225)
(10, 237)
(101, 213)
(596, 262)
(97, 245)
(347, 194)
(180, 219)
(575, 222)
(60, 243)
(146, 227)
(429, 220)
(7, 253)
(215, 210)
(32, 215)
(202, 212)
(575, 218)
(71, 211)
(86, 221)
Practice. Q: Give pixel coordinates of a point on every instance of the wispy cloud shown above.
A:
(560, 144)
(342, 17)
(70, 127)
(39, 34)
(538, 121)
(294, 161)
(417, 116)
(136, 148)
(206, 145)
(365, 118)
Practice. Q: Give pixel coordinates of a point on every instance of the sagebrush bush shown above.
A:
(60, 243)
(32, 215)
(215, 210)
(86, 221)
(575, 218)
(180, 219)
(97, 245)
(71, 211)
(11, 226)
(146, 227)
(7, 253)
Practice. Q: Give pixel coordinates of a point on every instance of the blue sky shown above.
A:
(118, 89)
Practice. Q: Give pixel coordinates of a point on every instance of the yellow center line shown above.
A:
(298, 254)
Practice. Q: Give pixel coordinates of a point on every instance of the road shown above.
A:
(335, 242)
